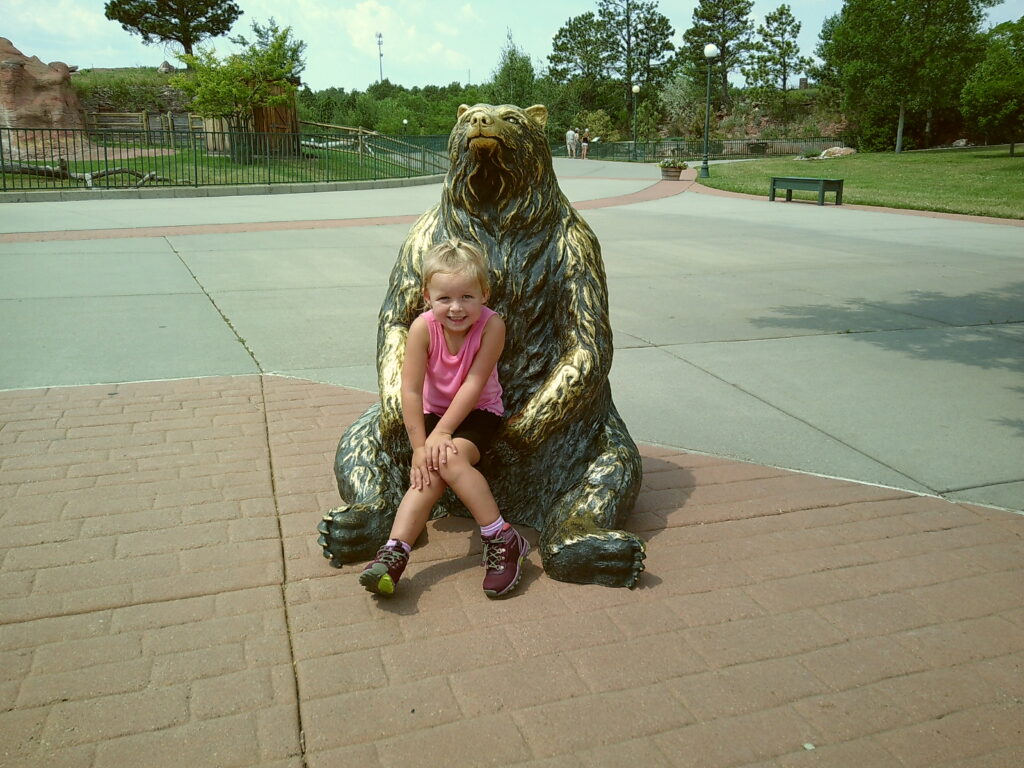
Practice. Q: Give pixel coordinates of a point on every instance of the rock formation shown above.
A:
(34, 94)
(837, 152)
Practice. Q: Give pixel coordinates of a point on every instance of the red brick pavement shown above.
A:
(163, 602)
(655, 191)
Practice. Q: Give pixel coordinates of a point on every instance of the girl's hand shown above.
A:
(419, 474)
(438, 446)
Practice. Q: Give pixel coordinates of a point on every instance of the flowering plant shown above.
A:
(673, 162)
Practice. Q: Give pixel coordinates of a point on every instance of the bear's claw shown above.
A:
(351, 534)
(609, 558)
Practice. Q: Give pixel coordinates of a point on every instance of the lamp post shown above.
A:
(636, 90)
(710, 53)
(405, 125)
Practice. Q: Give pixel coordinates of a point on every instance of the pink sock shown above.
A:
(402, 544)
(489, 531)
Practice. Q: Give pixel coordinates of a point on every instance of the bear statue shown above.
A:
(562, 462)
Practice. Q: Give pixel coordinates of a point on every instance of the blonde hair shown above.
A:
(456, 257)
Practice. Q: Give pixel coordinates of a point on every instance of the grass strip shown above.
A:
(980, 182)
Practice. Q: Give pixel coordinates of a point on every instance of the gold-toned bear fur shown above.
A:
(563, 462)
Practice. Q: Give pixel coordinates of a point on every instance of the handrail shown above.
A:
(340, 127)
(383, 136)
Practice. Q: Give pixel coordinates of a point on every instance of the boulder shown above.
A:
(837, 152)
(961, 143)
(34, 94)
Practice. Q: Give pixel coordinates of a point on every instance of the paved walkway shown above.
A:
(171, 402)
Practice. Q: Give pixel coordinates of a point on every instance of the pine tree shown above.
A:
(640, 38)
(626, 43)
(187, 22)
(776, 56)
(581, 49)
(727, 24)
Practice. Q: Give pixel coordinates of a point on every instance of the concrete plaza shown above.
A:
(830, 404)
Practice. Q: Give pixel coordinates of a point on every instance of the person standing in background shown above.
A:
(570, 142)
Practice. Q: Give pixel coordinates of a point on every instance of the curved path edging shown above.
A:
(655, 191)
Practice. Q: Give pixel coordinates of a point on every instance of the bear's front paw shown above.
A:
(609, 558)
(353, 533)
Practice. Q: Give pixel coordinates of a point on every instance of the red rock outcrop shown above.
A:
(34, 94)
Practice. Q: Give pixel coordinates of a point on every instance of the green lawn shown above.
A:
(184, 167)
(984, 182)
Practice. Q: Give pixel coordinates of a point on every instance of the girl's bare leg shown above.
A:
(414, 510)
(469, 484)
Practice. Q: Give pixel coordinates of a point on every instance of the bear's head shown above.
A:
(499, 156)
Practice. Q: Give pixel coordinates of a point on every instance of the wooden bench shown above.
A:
(821, 186)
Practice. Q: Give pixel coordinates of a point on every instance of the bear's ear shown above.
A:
(462, 110)
(539, 113)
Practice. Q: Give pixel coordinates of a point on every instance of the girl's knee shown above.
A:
(433, 491)
(456, 467)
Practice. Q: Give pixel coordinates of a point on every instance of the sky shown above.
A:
(424, 43)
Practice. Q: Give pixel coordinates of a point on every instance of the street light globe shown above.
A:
(711, 51)
(405, 121)
(636, 89)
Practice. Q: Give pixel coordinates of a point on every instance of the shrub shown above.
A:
(598, 122)
(142, 89)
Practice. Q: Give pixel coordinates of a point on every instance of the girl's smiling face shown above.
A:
(456, 300)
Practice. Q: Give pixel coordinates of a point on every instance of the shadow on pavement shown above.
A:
(980, 310)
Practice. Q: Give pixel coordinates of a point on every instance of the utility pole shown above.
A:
(380, 57)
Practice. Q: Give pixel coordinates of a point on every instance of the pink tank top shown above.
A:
(446, 372)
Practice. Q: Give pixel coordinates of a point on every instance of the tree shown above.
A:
(581, 49)
(727, 24)
(640, 43)
(580, 69)
(993, 97)
(648, 119)
(263, 75)
(895, 56)
(825, 73)
(275, 50)
(317, 107)
(598, 123)
(598, 57)
(776, 56)
(684, 99)
(186, 22)
(514, 78)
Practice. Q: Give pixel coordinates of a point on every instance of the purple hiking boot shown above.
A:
(503, 559)
(381, 575)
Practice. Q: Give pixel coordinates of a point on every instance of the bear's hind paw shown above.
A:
(351, 534)
(608, 558)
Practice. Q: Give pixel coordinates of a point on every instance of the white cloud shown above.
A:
(447, 56)
(69, 18)
(468, 12)
(365, 20)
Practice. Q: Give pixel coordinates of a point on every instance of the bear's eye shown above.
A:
(513, 119)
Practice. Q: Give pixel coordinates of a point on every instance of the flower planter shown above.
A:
(671, 174)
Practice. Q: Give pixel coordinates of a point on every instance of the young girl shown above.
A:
(451, 402)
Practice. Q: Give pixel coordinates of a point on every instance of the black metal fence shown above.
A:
(693, 149)
(62, 159)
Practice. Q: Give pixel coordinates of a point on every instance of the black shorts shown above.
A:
(478, 427)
